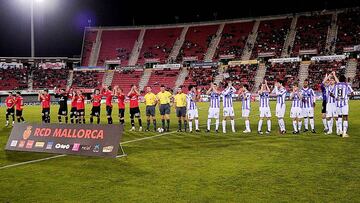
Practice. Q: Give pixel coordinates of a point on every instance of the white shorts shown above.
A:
(343, 111)
(245, 113)
(331, 110)
(214, 113)
(307, 112)
(296, 112)
(265, 112)
(192, 114)
(228, 111)
(280, 111)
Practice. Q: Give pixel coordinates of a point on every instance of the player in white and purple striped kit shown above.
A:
(192, 111)
(280, 93)
(331, 111)
(245, 96)
(264, 107)
(228, 109)
(308, 104)
(214, 109)
(341, 93)
(296, 105)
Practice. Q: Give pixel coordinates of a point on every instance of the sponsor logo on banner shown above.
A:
(27, 133)
(86, 147)
(328, 58)
(96, 148)
(62, 146)
(13, 143)
(39, 144)
(21, 144)
(171, 66)
(29, 144)
(77, 139)
(76, 147)
(49, 145)
(108, 149)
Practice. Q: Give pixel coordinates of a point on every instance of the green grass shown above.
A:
(198, 167)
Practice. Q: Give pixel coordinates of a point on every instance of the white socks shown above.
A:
(208, 123)
(260, 125)
(217, 124)
(330, 125)
(295, 126)
(339, 124)
(312, 124)
(299, 124)
(190, 125)
(281, 124)
(196, 124)
(247, 125)
(346, 124)
(325, 123)
(269, 125)
(306, 123)
(232, 125)
(224, 126)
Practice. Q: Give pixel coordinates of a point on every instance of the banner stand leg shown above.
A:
(123, 152)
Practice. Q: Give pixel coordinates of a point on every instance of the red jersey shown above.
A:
(134, 100)
(45, 101)
(109, 96)
(96, 100)
(73, 101)
(10, 101)
(80, 103)
(121, 101)
(19, 103)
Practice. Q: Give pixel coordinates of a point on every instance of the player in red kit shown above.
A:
(80, 107)
(73, 98)
(108, 94)
(96, 103)
(134, 107)
(10, 103)
(121, 103)
(44, 98)
(19, 107)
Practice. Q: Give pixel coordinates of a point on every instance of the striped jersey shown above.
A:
(308, 97)
(264, 99)
(280, 95)
(329, 92)
(342, 91)
(190, 101)
(324, 91)
(227, 97)
(214, 100)
(296, 100)
(246, 99)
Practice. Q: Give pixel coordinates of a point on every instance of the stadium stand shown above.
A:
(158, 44)
(318, 70)
(242, 74)
(50, 78)
(348, 30)
(165, 77)
(117, 44)
(13, 78)
(271, 37)
(197, 41)
(126, 78)
(201, 77)
(233, 39)
(285, 72)
(311, 32)
(90, 37)
(87, 79)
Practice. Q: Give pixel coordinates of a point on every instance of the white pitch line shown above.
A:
(32, 161)
(63, 155)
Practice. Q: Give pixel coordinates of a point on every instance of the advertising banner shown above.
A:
(328, 58)
(76, 139)
(285, 60)
(171, 66)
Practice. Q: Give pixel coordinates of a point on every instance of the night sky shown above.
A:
(59, 24)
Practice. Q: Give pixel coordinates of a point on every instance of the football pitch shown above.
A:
(196, 167)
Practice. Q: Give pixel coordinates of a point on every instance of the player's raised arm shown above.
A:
(325, 79)
(131, 91)
(335, 77)
(210, 89)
